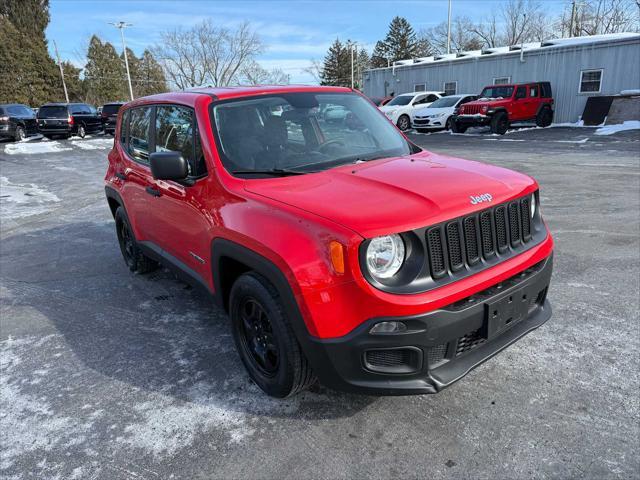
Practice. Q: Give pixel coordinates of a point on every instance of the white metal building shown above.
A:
(577, 68)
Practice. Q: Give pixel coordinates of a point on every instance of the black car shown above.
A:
(109, 115)
(68, 119)
(17, 121)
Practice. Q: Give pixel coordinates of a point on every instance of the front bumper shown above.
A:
(477, 119)
(440, 346)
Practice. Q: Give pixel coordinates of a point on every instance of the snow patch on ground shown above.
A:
(583, 140)
(621, 127)
(93, 143)
(30, 148)
(23, 200)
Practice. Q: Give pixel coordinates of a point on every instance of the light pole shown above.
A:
(121, 26)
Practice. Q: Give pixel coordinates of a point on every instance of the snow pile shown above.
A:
(93, 144)
(621, 127)
(27, 148)
(23, 200)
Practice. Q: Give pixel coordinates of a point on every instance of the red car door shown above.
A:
(519, 104)
(180, 219)
(533, 100)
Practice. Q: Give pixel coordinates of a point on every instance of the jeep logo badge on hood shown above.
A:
(485, 197)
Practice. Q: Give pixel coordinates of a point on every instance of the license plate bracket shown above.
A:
(504, 313)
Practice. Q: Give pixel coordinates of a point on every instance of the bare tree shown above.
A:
(595, 17)
(463, 36)
(488, 31)
(252, 73)
(207, 54)
(524, 21)
(314, 69)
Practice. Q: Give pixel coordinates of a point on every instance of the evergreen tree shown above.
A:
(401, 43)
(336, 69)
(150, 77)
(28, 74)
(104, 74)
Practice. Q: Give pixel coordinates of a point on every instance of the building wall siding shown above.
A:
(559, 65)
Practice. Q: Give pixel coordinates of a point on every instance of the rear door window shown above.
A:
(139, 124)
(533, 90)
(175, 131)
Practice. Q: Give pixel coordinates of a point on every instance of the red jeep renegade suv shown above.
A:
(340, 250)
(499, 106)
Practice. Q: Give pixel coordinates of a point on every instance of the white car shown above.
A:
(399, 109)
(438, 115)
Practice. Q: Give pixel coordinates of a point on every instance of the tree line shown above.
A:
(511, 23)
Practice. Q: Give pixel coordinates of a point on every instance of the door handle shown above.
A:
(153, 191)
(121, 176)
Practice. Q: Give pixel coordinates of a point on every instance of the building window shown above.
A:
(501, 80)
(419, 87)
(590, 81)
(450, 88)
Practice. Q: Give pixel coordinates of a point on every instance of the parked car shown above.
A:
(67, 119)
(399, 108)
(17, 121)
(500, 106)
(335, 113)
(439, 114)
(340, 253)
(381, 101)
(109, 114)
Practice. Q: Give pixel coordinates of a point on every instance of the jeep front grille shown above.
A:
(472, 109)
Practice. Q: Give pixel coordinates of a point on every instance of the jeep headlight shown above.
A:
(385, 255)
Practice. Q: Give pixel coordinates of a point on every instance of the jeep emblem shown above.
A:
(485, 197)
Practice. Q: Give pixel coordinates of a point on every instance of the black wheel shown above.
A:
(265, 341)
(404, 123)
(500, 123)
(448, 124)
(81, 131)
(20, 135)
(457, 127)
(544, 117)
(133, 257)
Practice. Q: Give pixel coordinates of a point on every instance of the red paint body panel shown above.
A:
(290, 221)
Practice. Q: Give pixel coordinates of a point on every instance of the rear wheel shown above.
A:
(81, 131)
(500, 123)
(133, 256)
(20, 135)
(404, 123)
(544, 117)
(264, 338)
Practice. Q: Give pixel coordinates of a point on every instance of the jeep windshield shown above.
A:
(286, 134)
(491, 93)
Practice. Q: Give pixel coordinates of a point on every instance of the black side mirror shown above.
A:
(168, 166)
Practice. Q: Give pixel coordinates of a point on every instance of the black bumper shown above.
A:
(439, 347)
(473, 120)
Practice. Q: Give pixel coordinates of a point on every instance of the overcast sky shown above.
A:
(294, 32)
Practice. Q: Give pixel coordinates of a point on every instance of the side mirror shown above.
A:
(168, 166)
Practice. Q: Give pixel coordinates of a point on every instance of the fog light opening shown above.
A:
(388, 327)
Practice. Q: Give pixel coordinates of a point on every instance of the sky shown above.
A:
(293, 32)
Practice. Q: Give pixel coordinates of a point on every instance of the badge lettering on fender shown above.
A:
(476, 199)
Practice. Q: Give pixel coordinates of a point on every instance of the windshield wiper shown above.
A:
(280, 172)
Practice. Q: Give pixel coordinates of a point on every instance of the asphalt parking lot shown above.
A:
(110, 375)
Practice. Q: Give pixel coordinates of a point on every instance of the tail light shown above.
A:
(4, 119)
(70, 120)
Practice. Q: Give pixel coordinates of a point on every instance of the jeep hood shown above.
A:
(395, 194)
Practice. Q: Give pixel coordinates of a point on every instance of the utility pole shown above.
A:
(121, 26)
(449, 29)
(573, 16)
(64, 85)
(352, 66)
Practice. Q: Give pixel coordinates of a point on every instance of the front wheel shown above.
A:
(20, 135)
(265, 340)
(500, 123)
(449, 124)
(404, 123)
(457, 127)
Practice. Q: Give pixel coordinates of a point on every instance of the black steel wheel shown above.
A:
(133, 257)
(264, 338)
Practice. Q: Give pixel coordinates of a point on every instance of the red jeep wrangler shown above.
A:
(499, 106)
(340, 250)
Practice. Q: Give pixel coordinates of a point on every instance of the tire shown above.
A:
(544, 117)
(458, 128)
(265, 340)
(500, 123)
(133, 256)
(81, 131)
(448, 124)
(19, 135)
(404, 123)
